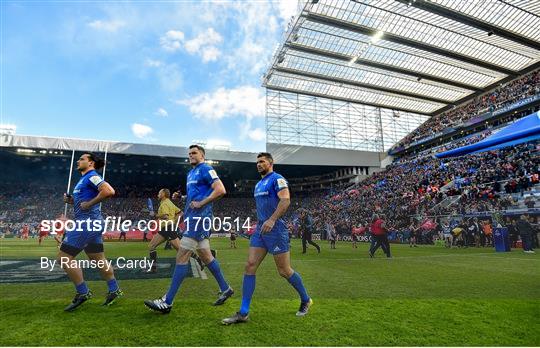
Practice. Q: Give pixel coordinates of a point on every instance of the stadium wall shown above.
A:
(305, 155)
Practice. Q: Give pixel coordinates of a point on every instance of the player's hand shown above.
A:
(195, 204)
(68, 199)
(267, 226)
(85, 205)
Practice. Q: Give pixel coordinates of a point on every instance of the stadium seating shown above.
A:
(507, 94)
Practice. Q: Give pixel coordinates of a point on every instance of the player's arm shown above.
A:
(105, 191)
(218, 191)
(284, 202)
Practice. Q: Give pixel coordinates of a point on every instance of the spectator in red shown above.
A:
(378, 233)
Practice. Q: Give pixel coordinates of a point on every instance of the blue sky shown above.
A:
(147, 72)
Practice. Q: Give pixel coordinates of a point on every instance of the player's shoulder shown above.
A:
(206, 168)
(94, 177)
(280, 180)
(276, 176)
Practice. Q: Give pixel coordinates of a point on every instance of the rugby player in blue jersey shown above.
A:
(203, 188)
(272, 199)
(89, 192)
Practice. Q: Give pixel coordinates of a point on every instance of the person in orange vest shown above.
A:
(378, 232)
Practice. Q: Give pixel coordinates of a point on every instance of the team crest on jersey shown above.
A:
(282, 183)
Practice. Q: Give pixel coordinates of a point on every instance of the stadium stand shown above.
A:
(507, 94)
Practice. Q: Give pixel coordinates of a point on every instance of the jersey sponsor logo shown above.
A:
(282, 183)
(213, 174)
(96, 180)
(263, 193)
(192, 182)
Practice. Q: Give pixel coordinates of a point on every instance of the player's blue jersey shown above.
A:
(86, 190)
(266, 199)
(199, 186)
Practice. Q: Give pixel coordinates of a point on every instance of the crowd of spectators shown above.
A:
(414, 189)
(407, 192)
(502, 96)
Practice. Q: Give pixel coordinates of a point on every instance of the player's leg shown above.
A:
(310, 241)
(157, 239)
(175, 243)
(164, 304)
(304, 243)
(256, 255)
(204, 253)
(74, 273)
(385, 245)
(94, 251)
(283, 264)
(374, 245)
(66, 255)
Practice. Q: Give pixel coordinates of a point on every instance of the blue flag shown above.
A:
(150, 205)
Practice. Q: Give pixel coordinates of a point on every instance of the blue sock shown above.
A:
(248, 287)
(296, 282)
(112, 284)
(216, 271)
(180, 272)
(82, 288)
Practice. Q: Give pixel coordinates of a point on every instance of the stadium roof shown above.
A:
(411, 55)
(39, 142)
(287, 155)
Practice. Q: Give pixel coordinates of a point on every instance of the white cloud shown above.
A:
(244, 101)
(246, 131)
(153, 63)
(249, 47)
(169, 75)
(210, 53)
(140, 130)
(207, 38)
(110, 26)
(257, 134)
(204, 44)
(162, 112)
(287, 9)
(172, 40)
(170, 78)
(218, 144)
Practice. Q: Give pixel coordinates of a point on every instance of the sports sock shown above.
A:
(248, 287)
(112, 284)
(180, 272)
(82, 288)
(298, 285)
(216, 272)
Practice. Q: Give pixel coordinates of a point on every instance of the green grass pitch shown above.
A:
(423, 296)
